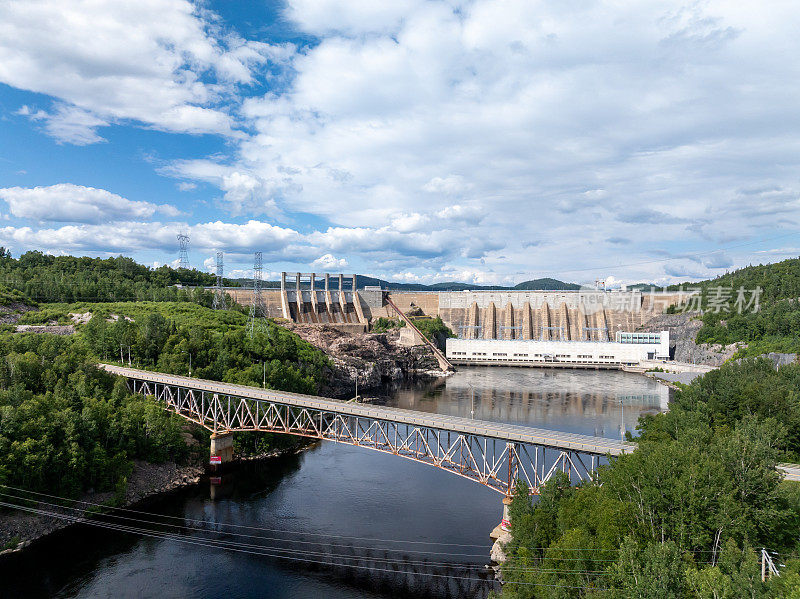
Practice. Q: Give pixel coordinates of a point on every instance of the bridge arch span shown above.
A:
(493, 454)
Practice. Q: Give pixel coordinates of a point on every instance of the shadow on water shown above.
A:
(76, 562)
(61, 563)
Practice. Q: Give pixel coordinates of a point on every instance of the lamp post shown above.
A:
(472, 403)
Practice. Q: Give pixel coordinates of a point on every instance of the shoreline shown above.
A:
(148, 482)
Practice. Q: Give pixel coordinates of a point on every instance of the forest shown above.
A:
(44, 278)
(65, 426)
(686, 514)
(773, 327)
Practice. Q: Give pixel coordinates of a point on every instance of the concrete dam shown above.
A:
(583, 315)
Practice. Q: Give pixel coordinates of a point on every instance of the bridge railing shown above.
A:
(494, 463)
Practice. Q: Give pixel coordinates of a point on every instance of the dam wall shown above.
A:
(308, 300)
(583, 315)
(271, 298)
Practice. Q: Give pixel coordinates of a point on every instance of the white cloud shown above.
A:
(243, 192)
(500, 137)
(134, 236)
(329, 262)
(164, 63)
(68, 124)
(544, 120)
(353, 17)
(66, 202)
(448, 185)
(718, 260)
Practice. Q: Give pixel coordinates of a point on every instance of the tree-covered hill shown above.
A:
(66, 426)
(780, 280)
(45, 278)
(683, 516)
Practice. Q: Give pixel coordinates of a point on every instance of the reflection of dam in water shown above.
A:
(591, 402)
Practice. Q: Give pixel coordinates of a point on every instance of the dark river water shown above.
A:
(294, 521)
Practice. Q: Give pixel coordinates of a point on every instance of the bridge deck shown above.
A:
(484, 428)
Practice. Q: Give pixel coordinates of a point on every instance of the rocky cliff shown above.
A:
(683, 329)
(371, 358)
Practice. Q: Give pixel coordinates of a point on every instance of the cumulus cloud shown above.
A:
(133, 236)
(164, 63)
(499, 137)
(329, 262)
(66, 202)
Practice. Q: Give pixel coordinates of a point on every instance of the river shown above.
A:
(398, 521)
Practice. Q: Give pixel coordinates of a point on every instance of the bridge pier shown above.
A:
(222, 446)
(505, 524)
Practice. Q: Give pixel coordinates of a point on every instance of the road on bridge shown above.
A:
(494, 430)
(597, 446)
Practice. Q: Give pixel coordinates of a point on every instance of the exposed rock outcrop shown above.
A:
(372, 358)
(11, 312)
(683, 330)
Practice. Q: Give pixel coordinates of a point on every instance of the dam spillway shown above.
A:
(582, 315)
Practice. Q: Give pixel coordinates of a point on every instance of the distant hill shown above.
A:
(535, 284)
(363, 281)
(546, 283)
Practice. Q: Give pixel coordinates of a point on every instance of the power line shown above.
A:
(292, 532)
(239, 534)
(318, 553)
(210, 543)
(243, 526)
(183, 253)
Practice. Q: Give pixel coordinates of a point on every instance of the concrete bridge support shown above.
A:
(505, 523)
(222, 446)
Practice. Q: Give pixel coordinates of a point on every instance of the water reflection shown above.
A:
(591, 402)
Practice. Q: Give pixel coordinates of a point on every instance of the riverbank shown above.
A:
(19, 529)
(147, 482)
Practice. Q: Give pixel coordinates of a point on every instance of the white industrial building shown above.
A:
(629, 349)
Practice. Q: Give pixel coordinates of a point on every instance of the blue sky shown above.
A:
(489, 141)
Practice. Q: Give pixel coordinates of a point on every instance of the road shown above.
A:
(492, 430)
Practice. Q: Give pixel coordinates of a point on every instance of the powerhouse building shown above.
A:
(628, 349)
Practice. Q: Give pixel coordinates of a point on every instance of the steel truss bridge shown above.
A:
(491, 453)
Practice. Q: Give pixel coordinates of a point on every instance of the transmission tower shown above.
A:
(219, 291)
(183, 257)
(257, 311)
